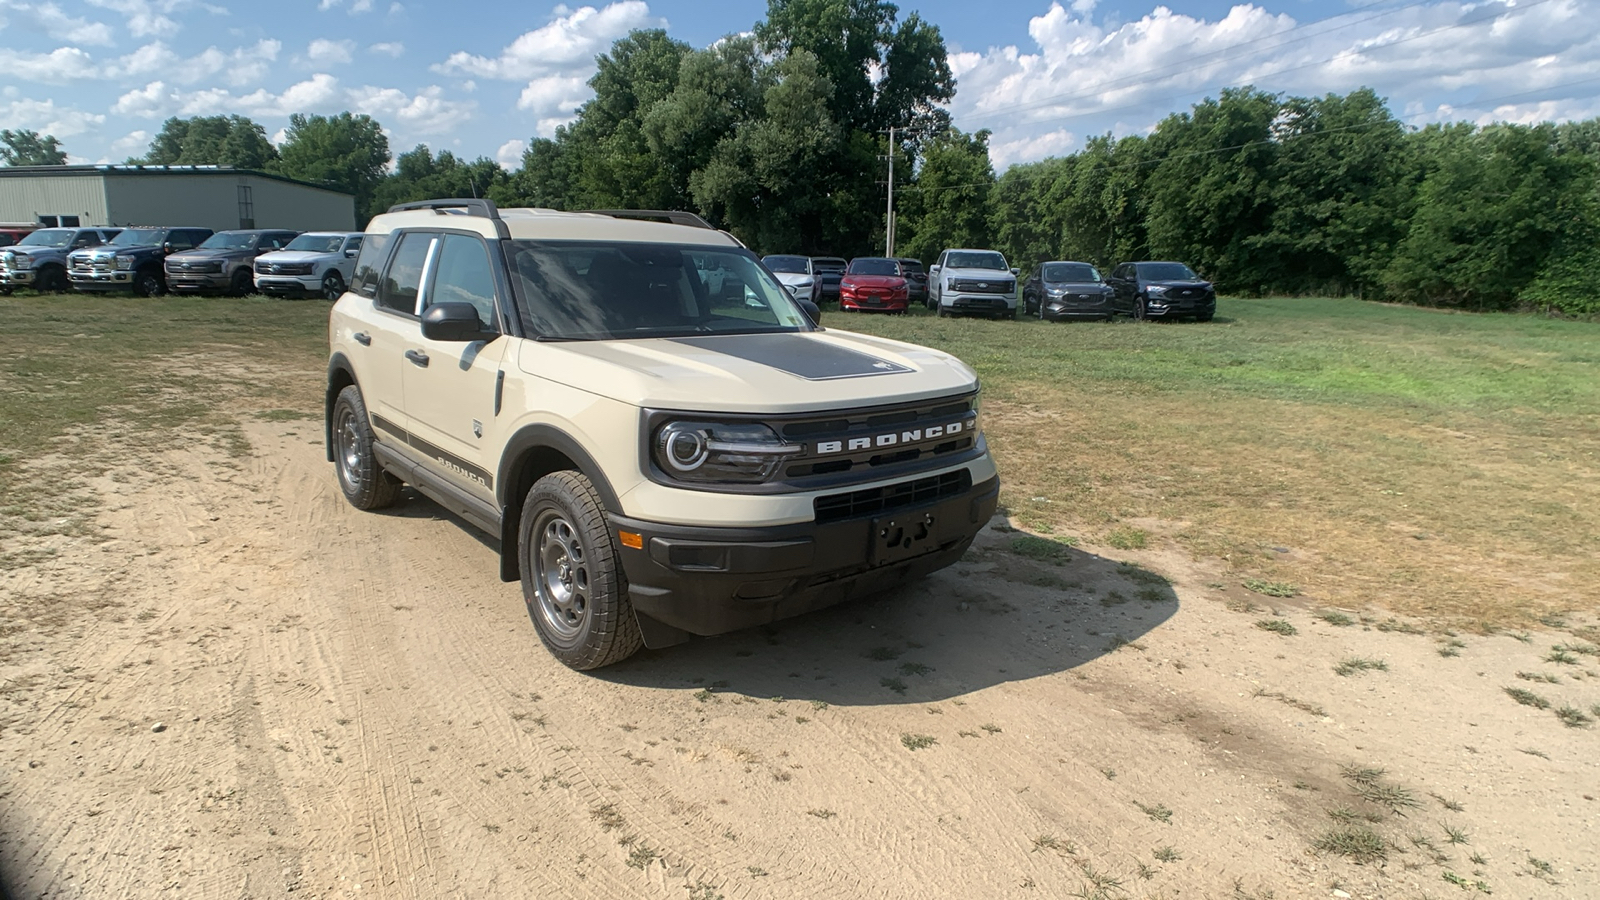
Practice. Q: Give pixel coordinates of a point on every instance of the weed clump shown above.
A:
(1355, 665)
(1270, 588)
(1277, 626)
(1128, 538)
(1355, 842)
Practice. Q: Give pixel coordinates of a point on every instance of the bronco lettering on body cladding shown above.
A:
(895, 439)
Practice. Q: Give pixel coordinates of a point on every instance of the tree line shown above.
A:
(782, 136)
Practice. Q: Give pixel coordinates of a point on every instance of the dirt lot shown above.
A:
(231, 684)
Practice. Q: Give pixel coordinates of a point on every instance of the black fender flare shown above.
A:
(338, 364)
(511, 485)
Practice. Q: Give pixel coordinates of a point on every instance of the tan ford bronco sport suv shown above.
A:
(659, 455)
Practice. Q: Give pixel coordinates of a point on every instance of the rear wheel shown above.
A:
(572, 580)
(364, 483)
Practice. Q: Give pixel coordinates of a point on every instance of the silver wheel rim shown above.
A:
(349, 450)
(331, 288)
(561, 574)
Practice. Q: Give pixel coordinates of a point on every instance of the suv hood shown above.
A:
(1081, 287)
(990, 274)
(795, 277)
(1205, 285)
(756, 373)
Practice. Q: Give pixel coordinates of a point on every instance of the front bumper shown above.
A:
(1178, 309)
(289, 285)
(987, 304)
(874, 302)
(1074, 308)
(709, 580)
(116, 280)
(208, 281)
(16, 277)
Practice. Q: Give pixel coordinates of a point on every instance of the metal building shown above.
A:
(215, 197)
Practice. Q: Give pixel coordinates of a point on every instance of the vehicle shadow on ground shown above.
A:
(994, 617)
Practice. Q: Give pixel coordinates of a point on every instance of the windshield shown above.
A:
(1074, 273)
(317, 243)
(48, 237)
(230, 240)
(792, 264)
(831, 263)
(911, 266)
(1167, 272)
(873, 266)
(586, 291)
(139, 237)
(975, 259)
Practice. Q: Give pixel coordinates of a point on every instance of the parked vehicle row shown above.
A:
(149, 261)
(1144, 290)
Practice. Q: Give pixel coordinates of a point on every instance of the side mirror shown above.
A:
(166, 247)
(452, 322)
(932, 269)
(1015, 270)
(812, 311)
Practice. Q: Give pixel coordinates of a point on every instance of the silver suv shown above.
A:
(658, 456)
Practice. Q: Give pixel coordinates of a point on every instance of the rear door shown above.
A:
(390, 331)
(451, 386)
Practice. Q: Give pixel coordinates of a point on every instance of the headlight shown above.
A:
(1156, 290)
(804, 282)
(124, 262)
(20, 263)
(713, 452)
(1056, 291)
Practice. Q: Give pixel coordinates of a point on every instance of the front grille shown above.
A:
(908, 424)
(984, 285)
(875, 501)
(284, 268)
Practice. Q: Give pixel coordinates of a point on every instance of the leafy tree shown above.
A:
(346, 151)
(211, 141)
(419, 175)
(25, 147)
(949, 204)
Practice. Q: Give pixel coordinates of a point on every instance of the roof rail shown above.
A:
(674, 216)
(454, 206)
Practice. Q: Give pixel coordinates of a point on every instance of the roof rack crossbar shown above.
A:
(675, 216)
(471, 206)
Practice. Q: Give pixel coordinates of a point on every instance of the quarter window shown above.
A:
(404, 277)
(368, 265)
(464, 276)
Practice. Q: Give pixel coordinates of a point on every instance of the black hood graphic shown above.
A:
(797, 355)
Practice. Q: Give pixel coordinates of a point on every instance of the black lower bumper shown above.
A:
(1182, 310)
(714, 580)
(1073, 311)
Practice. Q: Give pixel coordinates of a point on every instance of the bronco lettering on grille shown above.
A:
(894, 439)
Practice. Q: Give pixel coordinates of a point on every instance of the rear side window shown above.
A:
(369, 264)
(403, 279)
(464, 276)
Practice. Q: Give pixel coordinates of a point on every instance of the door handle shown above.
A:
(418, 357)
(363, 338)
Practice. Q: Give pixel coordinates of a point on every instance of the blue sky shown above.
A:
(482, 78)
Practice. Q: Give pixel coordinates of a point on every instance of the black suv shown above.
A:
(829, 269)
(132, 261)
(1066, 290)
(1162, 290)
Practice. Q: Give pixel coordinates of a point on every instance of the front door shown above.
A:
(450, 386)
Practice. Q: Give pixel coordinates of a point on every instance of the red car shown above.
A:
(874, 282)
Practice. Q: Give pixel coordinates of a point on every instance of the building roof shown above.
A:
(105, 170)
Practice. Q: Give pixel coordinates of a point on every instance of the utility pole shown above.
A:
(888, 233)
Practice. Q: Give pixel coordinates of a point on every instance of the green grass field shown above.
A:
(1440, 464)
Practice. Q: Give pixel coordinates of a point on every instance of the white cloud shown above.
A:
(425, 112)
(45, 117)
(554, 100)
(391, 49)
(570, 42)
(360, 6)
(239, 67)
(134, 143)
(323, 52)
(1099, 76)
(509, 156)
(59, 66)
(151, 100)
(53, 21)
(146, 18)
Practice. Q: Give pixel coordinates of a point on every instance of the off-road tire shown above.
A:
(572, 578)
(146, 283)
(243, 281)
(332, 286)
(364, 482)
(52, 280)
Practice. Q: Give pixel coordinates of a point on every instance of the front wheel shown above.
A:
(572, 580)
(149, 284)
(1204, 317)
(1139, 309)
(332, 286)
(243, 281)
(364, 483)
(53, 280)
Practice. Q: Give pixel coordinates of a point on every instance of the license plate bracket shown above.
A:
(895, 538)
